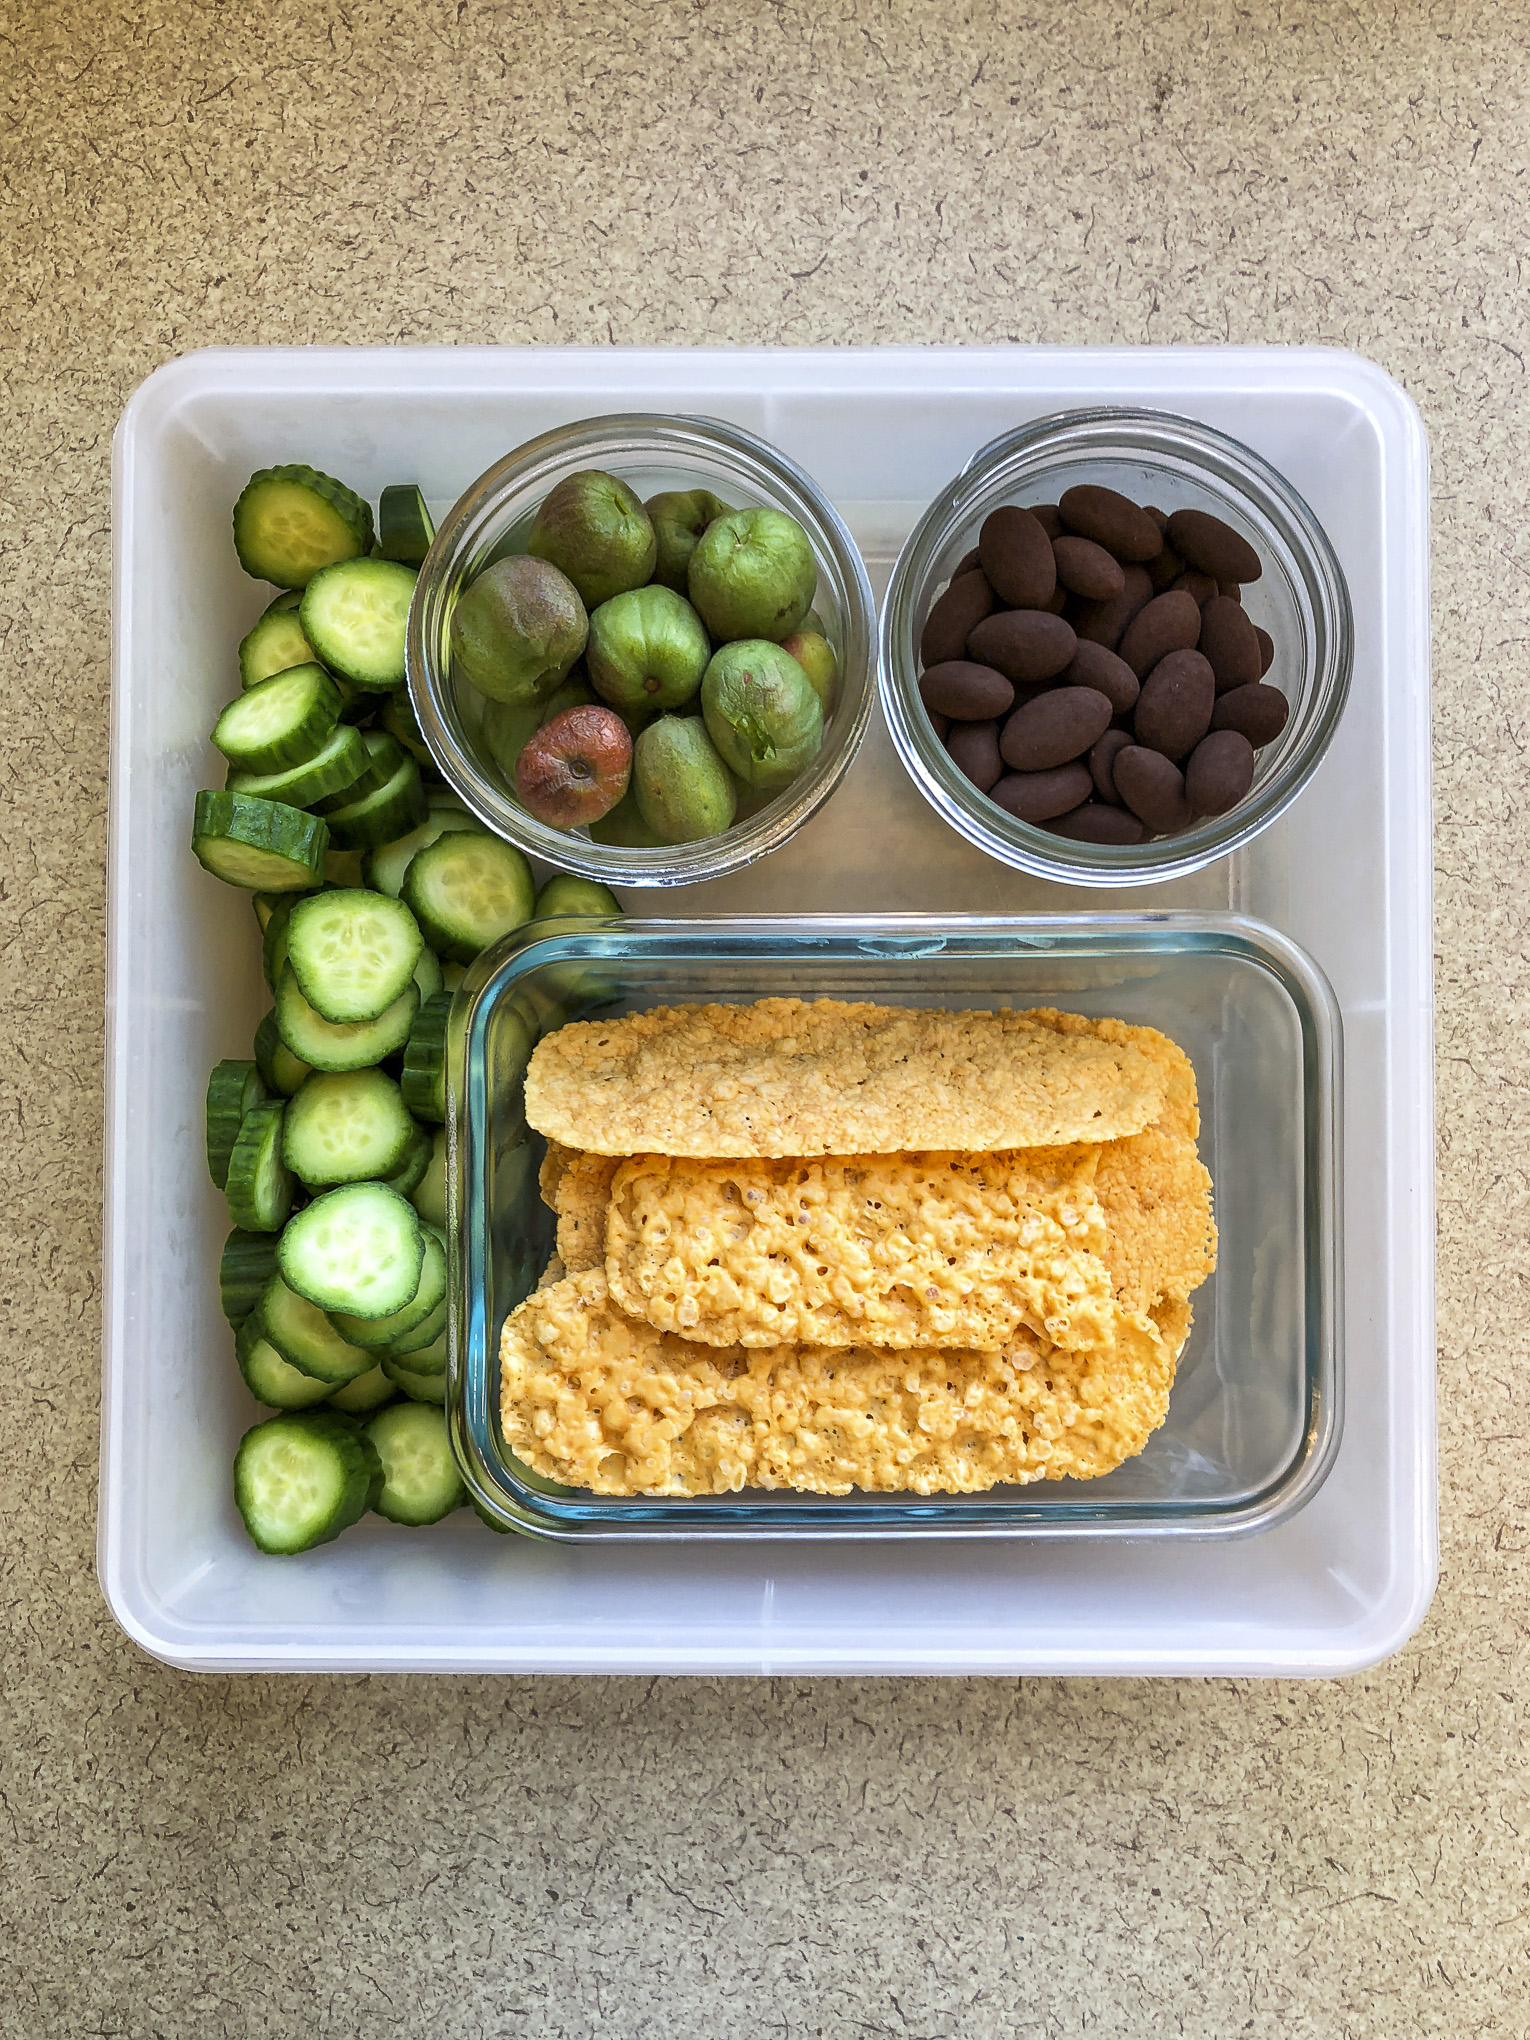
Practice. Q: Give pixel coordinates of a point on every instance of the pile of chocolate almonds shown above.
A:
(1090, 667)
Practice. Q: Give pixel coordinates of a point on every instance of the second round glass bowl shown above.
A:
(650, 453)
(1301, 599)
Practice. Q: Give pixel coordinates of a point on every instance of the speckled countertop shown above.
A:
(183, 1856)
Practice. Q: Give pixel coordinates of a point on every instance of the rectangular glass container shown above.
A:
(1254, 1419)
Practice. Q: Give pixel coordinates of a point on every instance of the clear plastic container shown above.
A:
(1253, 1421)
(1301, 599)
(650, 454)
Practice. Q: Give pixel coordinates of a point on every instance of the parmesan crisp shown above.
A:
(596, 1400)
(869, 1250)
(787, 1078)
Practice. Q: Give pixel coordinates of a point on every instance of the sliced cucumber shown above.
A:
(324, 1045)
(452, 973)
(289, 598)
(398, 719)
(265, 905)
(421, 1483)
(423, 1351)
(305, 1338)
(564, 895)
(232, 1089)
(303, 1477)
(292, 521)
(262, 844)
(347, 1127)
(467, 891)
(353, 952)
(356, 614)
(247, 1264)
(366, 1393)
(279, 722)
(359, 1250)
(340, 759)
(387, 1334)
(271, 1379)
(410, 1173)
(422, 1388)
(275, 643)
(273, 942)
(384, 867)
(424, 1080)
(390, 810)
(259, 1182)
(383, 756)
(429, 1194)
(280, 1070)
(405, 528)
(342, 868)
(427, 975)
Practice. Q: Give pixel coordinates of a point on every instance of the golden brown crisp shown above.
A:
(871, 1250)
(787, 1078)
(554, 1165)
(1161, 1238)
(580, 1200)
(595, 1400)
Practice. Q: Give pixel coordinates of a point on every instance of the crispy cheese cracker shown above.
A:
(1161, 1238)
(878, 1250)
(595, 1400)
(787, 1078)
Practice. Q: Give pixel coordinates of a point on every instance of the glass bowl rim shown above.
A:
(1219, 458)
(683, 436)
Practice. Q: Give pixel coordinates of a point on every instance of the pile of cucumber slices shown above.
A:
(373, 888)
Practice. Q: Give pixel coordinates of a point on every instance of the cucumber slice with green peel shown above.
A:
(410, 1173)
(390, 810)
(232, 1089)
(427, 975)
(273, 643)
(280, 1070)
(385, 866)
(353, 952)
(420, 1388)
(361, 704)
(259, 1183)
(358, 1250)
(383, 756)
(271, 1379)
(429, 1194)
(247, 1264)
(398, 719)
(384, 1334)
(279, 722)
(291, 522)
(423, 1351)
(305, 1338)
(421, 1482)
(405, 527)
(328, 1045)
(346, 1127)
(339, 760)
(368, 1392)
(355, 615)
(265, 845)
(273, 942)
(303, 1477)
(424, 1079)
(289, 598)
(565, 896)
(265, 905)
(466, 891)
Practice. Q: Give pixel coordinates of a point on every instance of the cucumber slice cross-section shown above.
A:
(357, 1250)
(305, 1338)
(303, 1477)
(352, 952)
(466, 891)
(279, 722)
(274, 643)
(341, 1045)
(259, 1184)
(421, 1482)
(232, 1089)
(347, 1127)
(391, 1333)
(292, 521)
(270, 1378)
(356, 614)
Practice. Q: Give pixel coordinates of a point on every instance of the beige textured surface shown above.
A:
(183, 1857)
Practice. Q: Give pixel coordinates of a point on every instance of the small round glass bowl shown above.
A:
(1301, 599)
(650, 453)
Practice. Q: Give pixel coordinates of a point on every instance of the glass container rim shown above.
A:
(1137, 434)
(682, 438)
(520, 1501)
